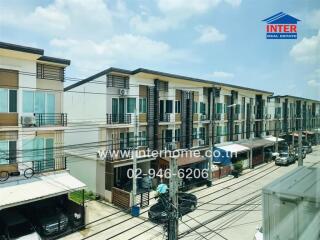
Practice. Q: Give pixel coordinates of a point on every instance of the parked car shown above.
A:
(269, 154)
(285, 159)
(259, 234)
(48, 218)
(307, 148)
(158, 212)
(15, 226)
(303, 151)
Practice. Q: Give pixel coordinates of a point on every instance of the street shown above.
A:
(230, 209)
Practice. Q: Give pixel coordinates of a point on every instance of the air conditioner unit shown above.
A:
(28, 121)
(123, 92)
(201, 142)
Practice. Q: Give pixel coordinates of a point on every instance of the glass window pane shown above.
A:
(27, 153)
(4, 152)
(28, 102)
(40, 99)
(51, 103)
(131, 105)
(3, 100)
(13, 101)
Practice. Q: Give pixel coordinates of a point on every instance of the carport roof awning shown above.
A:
(37, 188)
(257, 143)
(234, 148)
(274, 139)
(186, 159)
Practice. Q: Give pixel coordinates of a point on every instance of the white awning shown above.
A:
(37, 188)
(234, 148)
(274, 139)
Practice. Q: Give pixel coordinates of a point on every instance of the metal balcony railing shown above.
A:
(217, 116)
(45, 119)
(204, 117)
(28, 168)
(119, 118)
(165, 117)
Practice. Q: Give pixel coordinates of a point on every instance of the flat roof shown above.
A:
(170, 75)
(273, 139)
(55, 60)
(256, 143)
(233, 148)
(21, 48)
(24, 191)
(300, 98)
(301, 183)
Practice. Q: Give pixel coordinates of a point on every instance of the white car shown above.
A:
(259, 234)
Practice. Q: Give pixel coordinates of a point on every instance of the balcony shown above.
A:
(45, 120)
(165, 117)
(217, 117)
(27, 169)
(119, 118)
(204, 117)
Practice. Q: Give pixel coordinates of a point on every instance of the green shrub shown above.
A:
(238, 166)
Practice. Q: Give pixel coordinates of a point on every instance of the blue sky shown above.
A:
(221, 40)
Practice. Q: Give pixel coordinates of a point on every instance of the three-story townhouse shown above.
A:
(32, 125)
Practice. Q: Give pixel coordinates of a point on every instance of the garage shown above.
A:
(40, 207)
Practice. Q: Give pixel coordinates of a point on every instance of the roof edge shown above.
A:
(21, 48)
(55, 60)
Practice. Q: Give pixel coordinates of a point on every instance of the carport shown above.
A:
(257, 146)
(50, 187)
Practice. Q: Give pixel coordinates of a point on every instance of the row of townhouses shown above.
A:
(158, 111)
(58, 131)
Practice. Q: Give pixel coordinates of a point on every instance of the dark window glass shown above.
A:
(13, 101)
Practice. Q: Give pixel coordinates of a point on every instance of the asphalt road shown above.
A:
(230, 209)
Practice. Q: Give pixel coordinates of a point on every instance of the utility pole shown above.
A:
(134, 163)
(211, 141)
(277, 135)
(251, 141)
(300, 159)
(173, 220)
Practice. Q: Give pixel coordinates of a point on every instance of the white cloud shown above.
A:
(174, 13)
(126, 49)
(307, 50)
(313, 19)
(64, 17)
(313, 83)
(221, 75)
(209, 34)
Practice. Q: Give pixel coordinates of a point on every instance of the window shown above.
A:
(131, 105)
(8, 100)
(202, 134)
(194, 133)
(178, 106)
(142, 105)
(169, 106)
(4, 100)
(177, 134)
(28, 101)
(142, 138)
(130, 139)
(40, 151)
(237, 109)
(195, 107)
(202, 108)
(219, 131)
(4, 152)
(40, 102)
(168, 135)
(219, 108)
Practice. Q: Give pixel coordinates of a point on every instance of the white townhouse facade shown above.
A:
(169, 112)
(32, 125)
